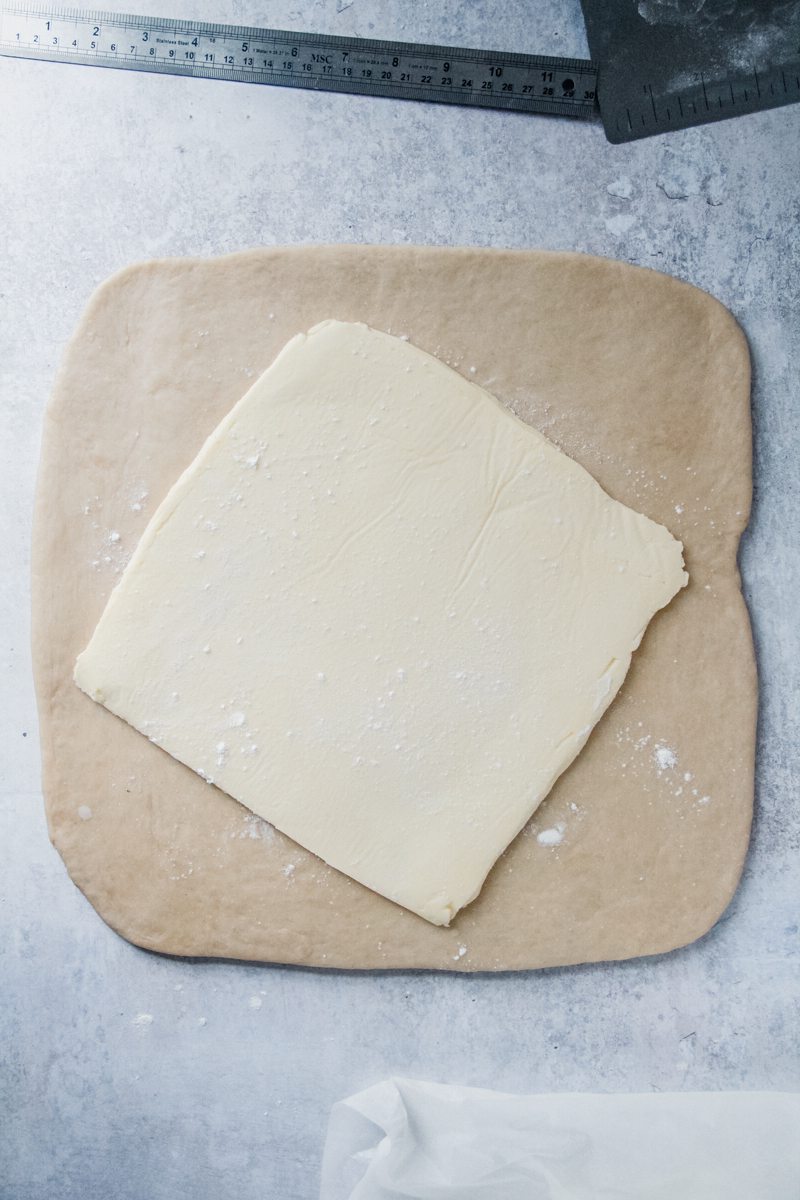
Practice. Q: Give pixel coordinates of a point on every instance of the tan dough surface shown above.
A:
(643, 380)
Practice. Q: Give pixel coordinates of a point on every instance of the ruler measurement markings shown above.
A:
(370, 67)
(714, 99)
(487, 79)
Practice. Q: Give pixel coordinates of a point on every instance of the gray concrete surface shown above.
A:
(124, 1074)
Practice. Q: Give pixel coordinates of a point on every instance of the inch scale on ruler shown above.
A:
(317, 62)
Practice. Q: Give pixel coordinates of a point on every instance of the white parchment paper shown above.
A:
(423, 1141)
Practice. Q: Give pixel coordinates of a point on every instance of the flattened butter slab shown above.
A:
(382, 613)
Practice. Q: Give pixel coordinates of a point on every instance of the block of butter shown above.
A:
(382, 613)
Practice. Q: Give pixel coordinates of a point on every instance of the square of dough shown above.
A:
(381, 612)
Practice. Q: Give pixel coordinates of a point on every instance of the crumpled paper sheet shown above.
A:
(425, 1141)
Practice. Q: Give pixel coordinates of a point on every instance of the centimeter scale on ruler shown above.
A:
(631, 100)
(318, 62)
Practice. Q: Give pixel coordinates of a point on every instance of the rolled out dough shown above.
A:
(382, 612)
(640, 378)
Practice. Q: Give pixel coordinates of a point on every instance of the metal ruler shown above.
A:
(652, 78)
(699, 101)
(529, 83)
(668, 65)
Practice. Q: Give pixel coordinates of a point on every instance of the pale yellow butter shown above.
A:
(382, 613)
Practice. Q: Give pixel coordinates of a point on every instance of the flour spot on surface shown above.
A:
(669, 12)
(680, 179)
(665, 757)
(255, 828)
(622, 188)
(553, 836)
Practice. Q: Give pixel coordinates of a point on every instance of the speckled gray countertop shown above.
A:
(128, 1075)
